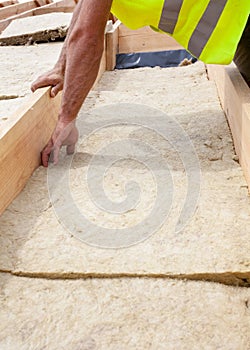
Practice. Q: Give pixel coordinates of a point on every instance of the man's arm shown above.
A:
(55, 77)
(84, 51)
(84, 48)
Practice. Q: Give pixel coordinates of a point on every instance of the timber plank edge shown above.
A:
(21, 144)
(234, 95)
(144, 40)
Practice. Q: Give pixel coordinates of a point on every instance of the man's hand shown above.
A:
(53, 78)
(75, 71)
(65, 134)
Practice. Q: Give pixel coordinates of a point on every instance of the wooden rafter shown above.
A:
(20, 146)
(13, 10)
(5, 3)
(59, 6)
(234, 94)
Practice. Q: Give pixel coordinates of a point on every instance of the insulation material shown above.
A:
(15, 84)
(32, 61)
(42, 28)
(122, 314)
(214, 245)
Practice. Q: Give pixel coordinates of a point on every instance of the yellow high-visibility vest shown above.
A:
(209, 29)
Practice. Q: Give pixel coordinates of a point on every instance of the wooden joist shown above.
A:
(144, 40)
(120, 39)
(58, 6)
(21, 144)
(234, 94)
(13, 10)
(112, 46)
(8, 3)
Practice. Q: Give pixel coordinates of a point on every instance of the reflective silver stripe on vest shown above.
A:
(170, 14)
(206, 26)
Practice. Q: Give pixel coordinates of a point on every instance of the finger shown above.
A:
(42, 82)
(33, 88)
(37, 84)
(55, 89)
(45, 158)
(71, 148)
(46, 154)
(72, 138)
(56, 151)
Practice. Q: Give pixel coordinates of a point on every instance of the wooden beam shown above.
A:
(112, 46)
(13, 10)
(234, 94)
(8, 3)
(121, 39)
(43, 2)
(144, 40)
(20, 146)
(59, 6)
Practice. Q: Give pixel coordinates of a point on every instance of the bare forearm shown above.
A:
(61, 62)
(84, 51)
(81, 71)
